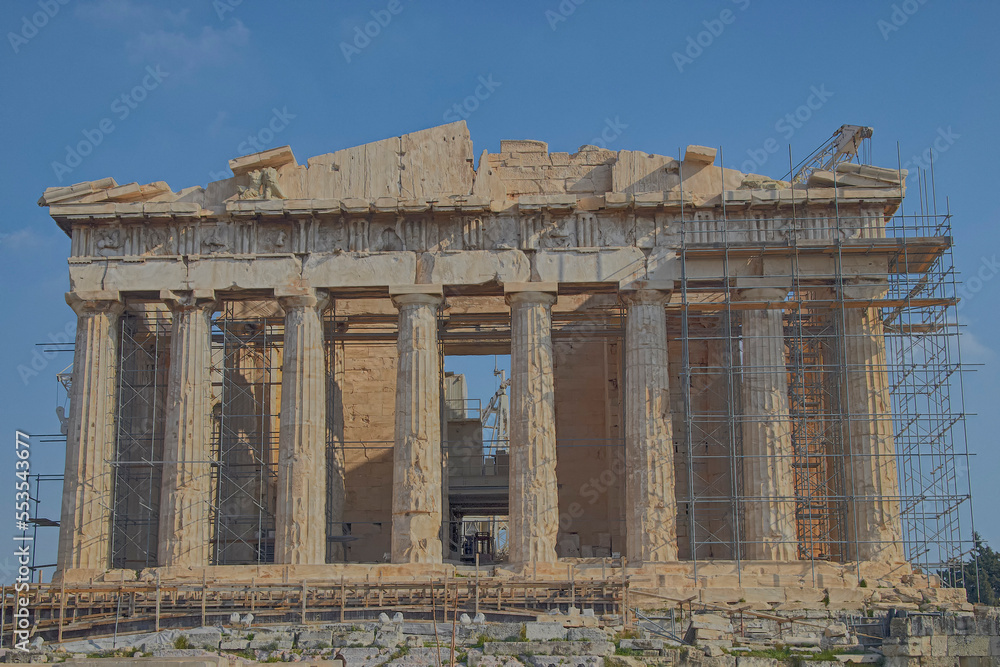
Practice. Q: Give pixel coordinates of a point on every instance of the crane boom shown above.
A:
(843, 145)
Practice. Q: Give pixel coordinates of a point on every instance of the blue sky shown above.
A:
(172, 91)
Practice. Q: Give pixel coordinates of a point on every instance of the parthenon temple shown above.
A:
(713, 375)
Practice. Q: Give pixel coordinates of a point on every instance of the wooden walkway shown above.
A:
(65, 612)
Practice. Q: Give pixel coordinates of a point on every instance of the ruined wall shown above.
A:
(589, 452)
(369, 396)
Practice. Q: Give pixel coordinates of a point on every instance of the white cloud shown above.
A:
(166, 37)
(974, 351)
(218, 123)
(22, 239)
(174, 48)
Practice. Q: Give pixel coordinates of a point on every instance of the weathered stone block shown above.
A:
(544, 631)
(549, 648)
(562, 661)
(968, 646)
(271, 641)
(364, 657)
(586, 634)
(581, 266)
(359, 269)
(388, 637)
(473, 267)
(314, 639)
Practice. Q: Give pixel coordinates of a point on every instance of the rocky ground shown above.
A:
(577, 639)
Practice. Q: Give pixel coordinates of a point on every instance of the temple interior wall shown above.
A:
(589, 447)
(369, 395)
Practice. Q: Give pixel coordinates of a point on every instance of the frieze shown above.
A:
(424, 232)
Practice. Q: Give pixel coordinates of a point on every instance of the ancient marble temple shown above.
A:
(258, 375)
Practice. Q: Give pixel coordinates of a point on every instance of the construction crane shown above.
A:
(495, 416)
(842, 146)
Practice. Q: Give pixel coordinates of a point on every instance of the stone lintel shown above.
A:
(274, 157)
(701, 154)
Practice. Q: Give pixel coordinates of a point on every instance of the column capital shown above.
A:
(301, 297)
(182, 300)
(90, 303)
(542, 293)
(863, 290)
(760, 294)
(643, 296)
(426, 295)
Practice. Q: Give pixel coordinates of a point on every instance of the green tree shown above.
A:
(980, 574)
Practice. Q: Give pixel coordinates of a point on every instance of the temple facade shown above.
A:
(698, 361)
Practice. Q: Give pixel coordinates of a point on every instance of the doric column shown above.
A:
(768, 484)
(650, 503)
(185, 489)
(534, 495)
(873, 518)
(416, 471)
(84, 531)
(300, 516)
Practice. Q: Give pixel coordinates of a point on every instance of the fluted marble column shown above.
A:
(300, 516)
(650, 503)
(84, 531)
(185, 489)
(416, 472)
(534, 495)
(768, 483)
(873, 518)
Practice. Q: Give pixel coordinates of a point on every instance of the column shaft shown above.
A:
(768, 482)
(186, 486)
(534, 495)
(650, 502)
(873, 518)
(300, 516)
(84, 531)
(416, 473)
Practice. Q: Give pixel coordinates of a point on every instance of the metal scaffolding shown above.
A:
(917, 312)
(143, 359)
(247, 342)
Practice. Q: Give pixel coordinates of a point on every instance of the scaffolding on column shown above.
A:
(247, 342)
(918, 311)
(143, 359)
